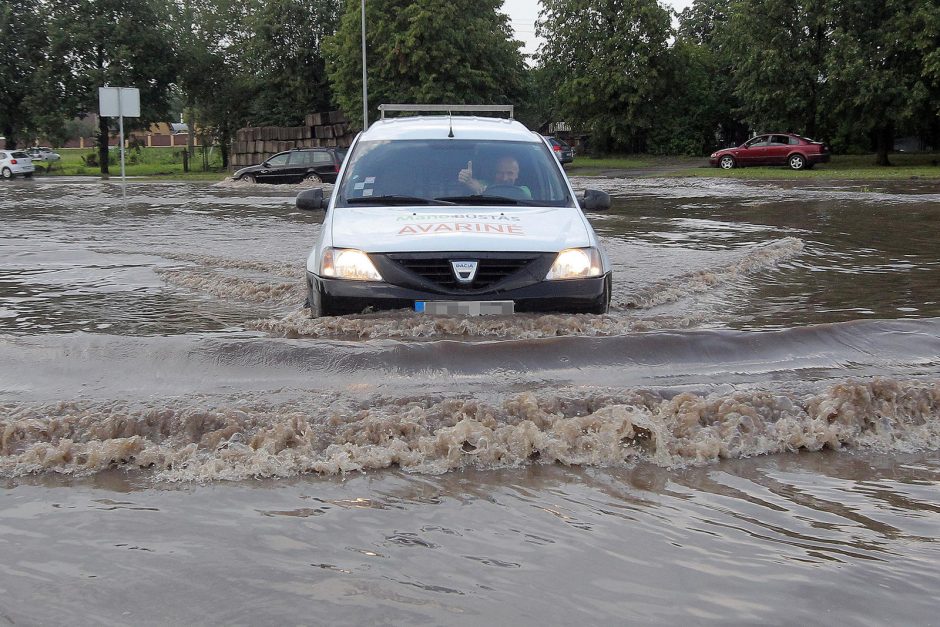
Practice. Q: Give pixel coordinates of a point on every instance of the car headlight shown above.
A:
(714, 154)
(348, 263)
(575, 263)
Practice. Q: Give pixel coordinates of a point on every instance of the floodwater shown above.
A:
(751, 434)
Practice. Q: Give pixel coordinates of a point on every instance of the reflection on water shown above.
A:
(749, 436)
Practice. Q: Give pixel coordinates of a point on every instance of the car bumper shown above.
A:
(563, 296)
(821, 158)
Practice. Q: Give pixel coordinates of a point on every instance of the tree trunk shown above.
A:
(884, 143)
(103, 146)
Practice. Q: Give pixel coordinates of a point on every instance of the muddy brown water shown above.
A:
(750, 436)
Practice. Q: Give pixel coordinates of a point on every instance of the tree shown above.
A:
(22, 46)
(96, 43)
(216, 90)
(425, 51)
(610, 63)
(690, 117)
(780, 49)
(702, 82)
(285, 54)
(877, 68)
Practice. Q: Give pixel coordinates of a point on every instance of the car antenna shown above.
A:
(450, 120)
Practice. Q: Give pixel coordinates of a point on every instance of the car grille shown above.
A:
(489, 271)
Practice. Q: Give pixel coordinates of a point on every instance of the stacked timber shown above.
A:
(254, 144)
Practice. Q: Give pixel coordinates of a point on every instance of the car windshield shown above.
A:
(429, 172)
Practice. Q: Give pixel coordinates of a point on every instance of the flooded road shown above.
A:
(750, 435)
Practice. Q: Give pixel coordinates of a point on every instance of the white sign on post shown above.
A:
(116, 102)
(120, 103)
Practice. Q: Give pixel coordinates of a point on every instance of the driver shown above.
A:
(507, 171)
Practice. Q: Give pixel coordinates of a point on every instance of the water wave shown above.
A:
(404, 324)
(242, 185)
(408, 325)
(212, 275)
(190, 440)
(755, 258)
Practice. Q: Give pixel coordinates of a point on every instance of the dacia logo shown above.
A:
(464, 270)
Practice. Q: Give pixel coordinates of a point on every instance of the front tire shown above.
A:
(602, 305)
(319, 303)
(313, 178)
(727, 162)
(7, 173)
(249, 178)
(796, 162)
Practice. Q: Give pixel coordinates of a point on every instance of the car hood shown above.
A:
(428, 229)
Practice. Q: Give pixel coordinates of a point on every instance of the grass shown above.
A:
(156, 162)
(841, 167)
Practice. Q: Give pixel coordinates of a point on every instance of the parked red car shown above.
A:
(773, 149)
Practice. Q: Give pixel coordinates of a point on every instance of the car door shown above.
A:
(324, 165)
(754, 152)
(297, 166)
(272, 170)
(777, 150)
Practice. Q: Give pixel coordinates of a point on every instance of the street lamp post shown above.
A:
(365, 82)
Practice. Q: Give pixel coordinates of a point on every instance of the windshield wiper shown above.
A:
(477, 199)
(396, 200)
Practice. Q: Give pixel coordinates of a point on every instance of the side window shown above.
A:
(793, 141)
(280, 159)
(299, 158)
(322, 157)
(779, 139)
(3, 155)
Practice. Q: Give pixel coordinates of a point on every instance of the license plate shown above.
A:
(465, 307)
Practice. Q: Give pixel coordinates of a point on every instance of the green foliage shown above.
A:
(425, 51)
(779, 49)
(691, 114)
(22, 42)
(286, 50)
(145, 161)
(875, 68)
(109, 42)
(609, 61)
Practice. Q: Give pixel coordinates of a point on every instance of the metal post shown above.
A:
(121, 136)
(365, 82)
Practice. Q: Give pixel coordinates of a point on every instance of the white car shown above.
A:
(458, 215)
(15, 163)
(43, 153)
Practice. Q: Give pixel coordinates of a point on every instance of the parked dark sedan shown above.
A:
(562, 150)
(773, 149)
(316, 165)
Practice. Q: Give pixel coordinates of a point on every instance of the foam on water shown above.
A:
(197, 440)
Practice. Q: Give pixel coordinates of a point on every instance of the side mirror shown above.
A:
(311, 200)
(595, 200)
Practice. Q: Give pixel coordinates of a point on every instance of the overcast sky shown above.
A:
(523, 14)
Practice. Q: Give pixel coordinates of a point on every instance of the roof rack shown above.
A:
(450, 109)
